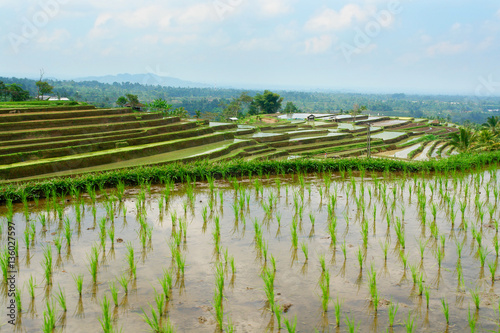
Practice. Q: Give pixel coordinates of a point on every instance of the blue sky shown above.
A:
(366, 45)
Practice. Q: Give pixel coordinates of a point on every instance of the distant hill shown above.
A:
(145, 79)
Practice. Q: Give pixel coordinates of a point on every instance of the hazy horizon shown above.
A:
(368, 46)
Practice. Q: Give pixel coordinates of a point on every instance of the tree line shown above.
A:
(221, 103)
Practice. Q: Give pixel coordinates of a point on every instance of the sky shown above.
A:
(410, 46)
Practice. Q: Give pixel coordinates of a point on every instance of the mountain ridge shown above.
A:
(145, 79)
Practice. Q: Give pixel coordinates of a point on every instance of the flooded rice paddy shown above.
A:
(330, 250)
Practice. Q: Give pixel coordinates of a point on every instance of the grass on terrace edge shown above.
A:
(201, 170)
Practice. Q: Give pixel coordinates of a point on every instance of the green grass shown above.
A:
(204, 169)
(106, 319)
(61, 299)
(391, 312)
(114, 292)
(49, 317)
(79, 283)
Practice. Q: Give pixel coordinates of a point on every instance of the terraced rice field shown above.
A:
(332, 252)
(37, 143)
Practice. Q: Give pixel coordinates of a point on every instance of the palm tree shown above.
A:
(493, 124)
(463, 140)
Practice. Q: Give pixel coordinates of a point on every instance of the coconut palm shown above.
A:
(463, 140)
(487, 140)
(493, 124)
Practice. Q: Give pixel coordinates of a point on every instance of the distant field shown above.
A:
(28, 104)
(47, 139)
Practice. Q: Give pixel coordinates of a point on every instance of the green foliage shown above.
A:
(291, 108)
(178, 172)
(44, 88)
(268, 102)
(121, 101)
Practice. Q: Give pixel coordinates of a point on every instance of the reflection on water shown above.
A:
(192, 227)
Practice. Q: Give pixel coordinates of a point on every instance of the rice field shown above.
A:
(336, 251)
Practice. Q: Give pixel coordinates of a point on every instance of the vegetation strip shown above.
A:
(180, 172)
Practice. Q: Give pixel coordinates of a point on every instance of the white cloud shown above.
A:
(179, 39)
(446, 48)
(274, 7)
(424, 38)
(408, 59)
(56, 37)
(456, 26)
(317, 45)
(485, 43)
(267, 44)
(330, 19)
(197, 14)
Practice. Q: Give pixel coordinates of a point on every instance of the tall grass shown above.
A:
(177, 172)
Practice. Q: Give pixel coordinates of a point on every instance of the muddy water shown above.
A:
(296, 280)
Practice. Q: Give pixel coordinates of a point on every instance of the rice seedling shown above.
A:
(277, 312)
(291, 326)
(93, 267)
(332, 228)
(67, 231)
(459, 248)
(218, 308)
(42, 218)
(106, 319)
(344, 249)
(17, 298)
(31, 286)
(463, 206)
(47, 263)
(439, 254)
(413, 270)
(446, 310)
(472, 321)
(180, 261)
(322, 262)
(410, 323)
(79, 283)
(268, 278)
(312, 218)
(434, 211)
(404, 258)
(305, 250)
(360, 257)
(114, 292)
(111, 235)
(324, 285)
(337, 305)
(427, 293)
(351, 324)
(482, 252)
(123, 281)
(391, 312)
(173, 216)
(130, 259)
(476, 298)
(166, 283)
(420, 284)
(49, 317)
(27, 238)
(492, 266)
(295, 237)
(61, 299)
